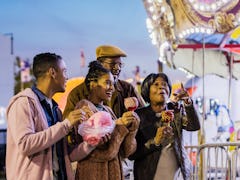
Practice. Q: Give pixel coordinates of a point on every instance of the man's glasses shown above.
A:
(113, 64)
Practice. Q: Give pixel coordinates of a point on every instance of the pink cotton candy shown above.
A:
(98, 125)
(93, 140)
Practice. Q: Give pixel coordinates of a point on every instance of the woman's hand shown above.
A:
(181, 94)
(104, 139)
(163, 134)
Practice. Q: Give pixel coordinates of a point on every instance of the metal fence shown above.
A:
(215, 161)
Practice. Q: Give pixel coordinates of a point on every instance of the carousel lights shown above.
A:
(154, 17)
(202, 29)
(190, 31)
(151, 8)
(153, 37)
(196, 30)
(154, 41)
(211, 6)
(202, 8)
(196, 6)
(208, 31)
(149, 24)
(163, 9)
(159, 21)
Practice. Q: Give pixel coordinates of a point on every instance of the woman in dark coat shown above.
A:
(160, 154)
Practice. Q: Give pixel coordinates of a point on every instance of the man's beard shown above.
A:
(115, 77)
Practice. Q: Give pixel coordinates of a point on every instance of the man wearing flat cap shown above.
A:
(110, 58)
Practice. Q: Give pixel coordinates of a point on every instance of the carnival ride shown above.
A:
(195, 29)
(200, 37)
(197, 36)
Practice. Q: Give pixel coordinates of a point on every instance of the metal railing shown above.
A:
(215, 161)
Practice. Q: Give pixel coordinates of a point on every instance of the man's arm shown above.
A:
(26, 128)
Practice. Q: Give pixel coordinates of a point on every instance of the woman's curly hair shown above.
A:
(96, 70)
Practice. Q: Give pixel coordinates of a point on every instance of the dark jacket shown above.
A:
(146, 159)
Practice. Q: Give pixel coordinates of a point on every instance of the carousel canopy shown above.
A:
(186, 32)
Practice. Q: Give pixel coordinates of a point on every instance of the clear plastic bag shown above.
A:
(97, 126)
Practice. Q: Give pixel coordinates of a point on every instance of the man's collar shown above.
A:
(39, 93)
(41, 96)
(117, 86)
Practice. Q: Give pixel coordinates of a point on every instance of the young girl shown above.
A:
(104, 162)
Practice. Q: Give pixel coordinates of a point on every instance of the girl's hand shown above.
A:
(129, 119)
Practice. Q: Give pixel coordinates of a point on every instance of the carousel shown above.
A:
(194, 26)
(199, 37)
(202, 38)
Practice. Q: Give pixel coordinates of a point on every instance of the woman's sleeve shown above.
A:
(80, 151)
(192, 120)
(129, 144)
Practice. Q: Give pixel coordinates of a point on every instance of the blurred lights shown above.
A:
(209, 6)
(213, 6)
(190, 31)
(154, 17)
(163, 9)
(151, 8)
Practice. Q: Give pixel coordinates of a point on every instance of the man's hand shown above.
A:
(76, 116)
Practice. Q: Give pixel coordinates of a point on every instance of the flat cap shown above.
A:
(109, 51)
